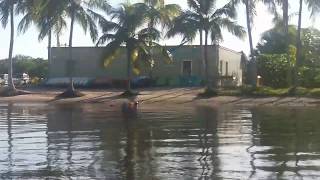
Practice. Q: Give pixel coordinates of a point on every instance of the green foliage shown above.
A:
(35, 67)
(274, 41)
(315, 92)
(126, 30)
(309, 76)
(274, 69)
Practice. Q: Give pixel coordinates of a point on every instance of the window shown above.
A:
(221, 68)
(187, 68)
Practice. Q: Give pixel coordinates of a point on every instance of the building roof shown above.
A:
(169, 46)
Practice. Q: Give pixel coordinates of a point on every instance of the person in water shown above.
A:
(130, 108)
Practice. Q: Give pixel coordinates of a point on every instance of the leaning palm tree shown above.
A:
(86, 13)
(203, 16)
(314, 7)
(127, 30)
(7, 8)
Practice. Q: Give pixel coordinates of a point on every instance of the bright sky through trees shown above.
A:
(28, 44)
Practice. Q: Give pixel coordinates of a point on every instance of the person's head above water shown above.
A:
(130, 107)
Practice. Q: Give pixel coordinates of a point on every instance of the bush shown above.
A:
(315, 92)
(263, 91)
(247, 90)
(309, 76)
(274, 69)
(208, 93)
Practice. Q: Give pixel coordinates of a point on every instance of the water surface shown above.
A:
(98, 142)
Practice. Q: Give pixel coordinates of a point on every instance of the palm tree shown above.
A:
(298, 55)
(272, 4)
(203, 17)
(314, 7)
(48, 15)
(250, 13)
(160, 13)
(84, 12)
(7, 8)
(126, 29)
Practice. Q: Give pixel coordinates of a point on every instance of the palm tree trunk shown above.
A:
(249, 26)
(202, 53)
(206, 61)
(298, 58)
(58, 39)
(253, 63)
(150, 26)
(10, 69)
(285, 11)
(49, 49)
(128, 88)
(70, 63)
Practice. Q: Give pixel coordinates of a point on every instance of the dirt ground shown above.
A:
(159, 96)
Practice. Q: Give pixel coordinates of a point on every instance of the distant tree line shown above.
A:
(34, 67)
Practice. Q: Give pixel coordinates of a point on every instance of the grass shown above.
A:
(271, 92)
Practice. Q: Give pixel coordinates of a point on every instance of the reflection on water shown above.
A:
(93, 141)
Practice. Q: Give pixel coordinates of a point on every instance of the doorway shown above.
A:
(187, 68)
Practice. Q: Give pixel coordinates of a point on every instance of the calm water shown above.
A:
(97, 142)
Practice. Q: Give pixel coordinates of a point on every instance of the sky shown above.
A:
(28, 44)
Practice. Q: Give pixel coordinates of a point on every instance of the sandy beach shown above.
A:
(163, 96)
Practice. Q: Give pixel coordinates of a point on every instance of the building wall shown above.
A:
(230, 64)
(181, 54)
(88, 63)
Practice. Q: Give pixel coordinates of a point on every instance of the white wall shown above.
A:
(233, 59)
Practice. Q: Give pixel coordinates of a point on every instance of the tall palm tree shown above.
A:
(314, 7)
(86, 13)
(48, 15)
(250, 13)
(298, 55)
(126, 29)
(203, 16)
(7, 8)
(52, 18)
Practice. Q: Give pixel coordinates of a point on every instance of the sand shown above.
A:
(159, 96)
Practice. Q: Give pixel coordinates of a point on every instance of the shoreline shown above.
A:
(160, 96)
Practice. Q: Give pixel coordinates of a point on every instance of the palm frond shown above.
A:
(313, 6)
(4, 12)
(112, 53)
(101, 5)
(194, 5)
(149, 34)
(232, 27)
(25, 23)
(228, 10)
(105, 38)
